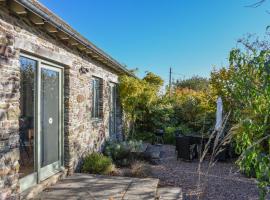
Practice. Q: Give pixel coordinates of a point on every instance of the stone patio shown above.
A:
(97, 187)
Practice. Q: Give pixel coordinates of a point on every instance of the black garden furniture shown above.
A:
(177, 133)
(225, 153)
(159, 136)
(189, 147)
(186, 150)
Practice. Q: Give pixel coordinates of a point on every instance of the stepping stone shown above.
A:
(143, 148)
(142, 189)
(170, 193)
(153, 153)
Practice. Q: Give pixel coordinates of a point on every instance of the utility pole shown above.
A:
(170, 82)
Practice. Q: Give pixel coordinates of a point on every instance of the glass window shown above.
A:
(96, 98)
(112, 106)
(27, 118)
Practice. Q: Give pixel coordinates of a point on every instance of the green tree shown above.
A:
(138, 95)
(196, 83)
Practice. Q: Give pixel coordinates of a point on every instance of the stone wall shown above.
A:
(82, 134)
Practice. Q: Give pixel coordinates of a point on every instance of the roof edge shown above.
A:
(62, 26)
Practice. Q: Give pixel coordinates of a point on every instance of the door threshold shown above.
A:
(33, 191)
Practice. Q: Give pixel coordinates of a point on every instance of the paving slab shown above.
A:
(170, 193)
(142, 189)
(98, 187)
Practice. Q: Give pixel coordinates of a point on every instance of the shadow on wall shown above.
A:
(67, 154)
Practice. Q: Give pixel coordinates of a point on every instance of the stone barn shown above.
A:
(58, 98)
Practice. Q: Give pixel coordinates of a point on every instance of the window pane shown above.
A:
(49, 103)
(27, 118)
(93, 98)
(112, 104)
(96, 98)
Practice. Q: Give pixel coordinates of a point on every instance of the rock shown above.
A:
(13, 113)
(4, 106)
(152, 153)
(80, 98)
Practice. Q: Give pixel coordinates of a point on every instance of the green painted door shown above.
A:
(41, 123)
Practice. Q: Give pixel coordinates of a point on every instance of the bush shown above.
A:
(194, 109)
(122, 153)
(195, 83)
(169, 136)
(97, 163)
(159, 115)
(144, 136)
(245, 87)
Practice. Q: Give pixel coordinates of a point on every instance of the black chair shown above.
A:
(177, 133)
(23, 147)
(224, 154)
(22, 136)
(159, 136)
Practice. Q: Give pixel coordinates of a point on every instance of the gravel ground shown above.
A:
(223, 182)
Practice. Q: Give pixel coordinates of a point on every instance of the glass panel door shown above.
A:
(50, 117)
(27, 131)
(40, 133)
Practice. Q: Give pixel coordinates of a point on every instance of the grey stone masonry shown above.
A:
(82, 134)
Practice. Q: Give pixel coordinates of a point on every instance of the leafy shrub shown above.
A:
(159, 115)
(122, 152)
(97, 163)
(190, 105)
(137, 95)
(194, 109)
(169, 136)
(245, 87)
(196, 83)
(144, 136)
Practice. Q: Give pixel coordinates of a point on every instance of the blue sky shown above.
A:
(191, 36)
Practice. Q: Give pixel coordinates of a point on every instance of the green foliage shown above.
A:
(169, 136)
(194, 83)
(96, 163)
(153, 80)
(245, 87)
(159, 115)
(221, 84)
(144, 136)
(122, 152)
(194, 109)
(148, 110)
(138, 95)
